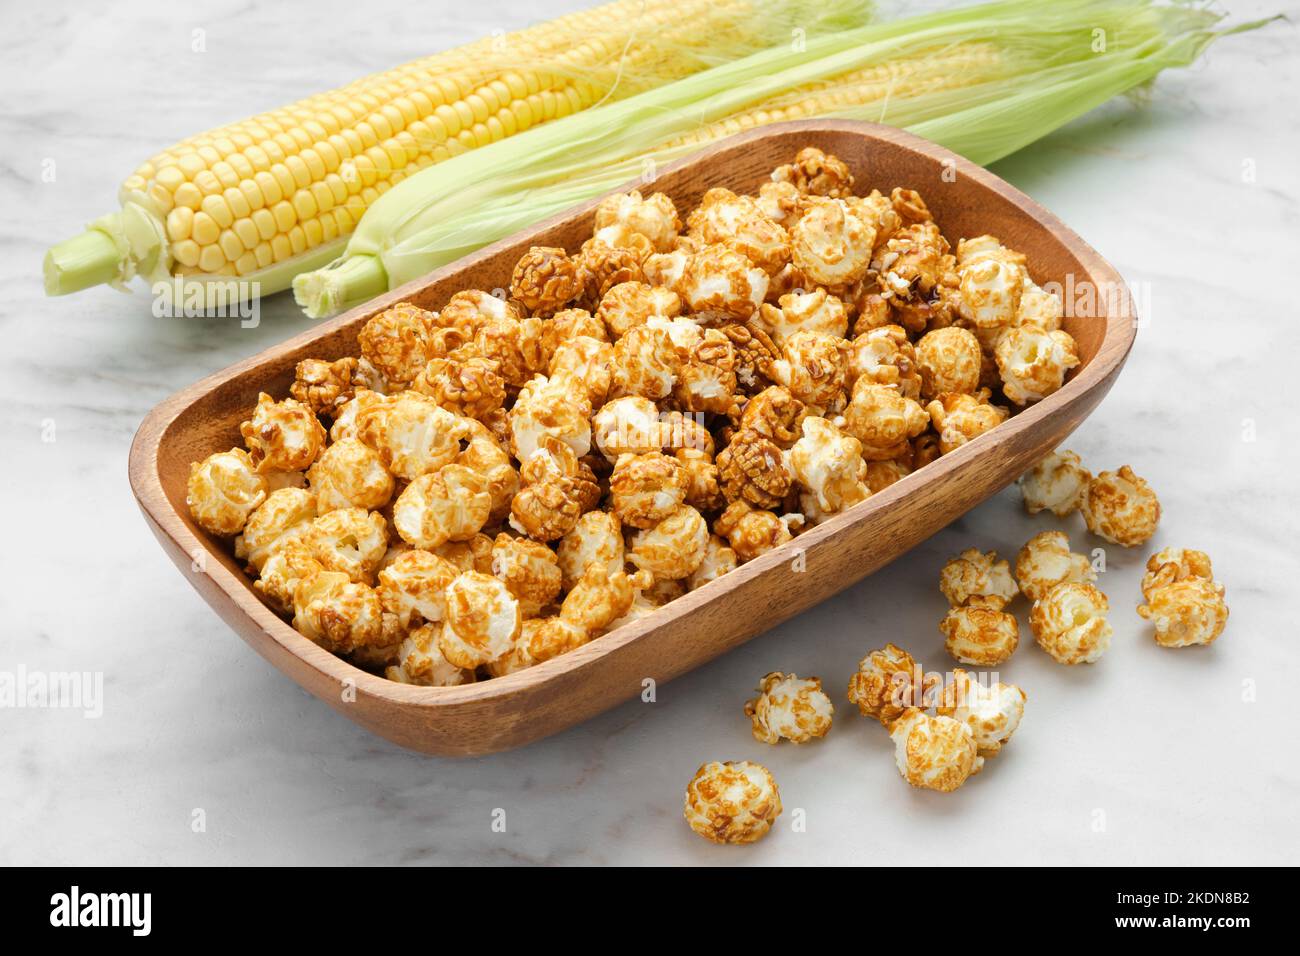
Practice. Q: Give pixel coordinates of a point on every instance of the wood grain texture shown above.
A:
(511, 711)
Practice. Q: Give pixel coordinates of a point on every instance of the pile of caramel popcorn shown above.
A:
(490, 485)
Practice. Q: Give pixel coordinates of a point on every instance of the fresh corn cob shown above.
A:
(262, 199)
(983, 80)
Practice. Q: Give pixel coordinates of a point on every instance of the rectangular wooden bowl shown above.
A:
(510, 711)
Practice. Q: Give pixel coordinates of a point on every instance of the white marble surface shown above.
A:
(1159, 745)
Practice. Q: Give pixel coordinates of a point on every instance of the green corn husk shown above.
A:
(982, 80)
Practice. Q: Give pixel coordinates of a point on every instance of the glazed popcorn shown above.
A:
(491, 483)
(980, 634)
(1121, 507)
(978, 578)
(1069, 622)
(789, 707)
(1046, 561)
(887, 682)
(732, 802)
(934, 753)
(1169, 565)
(1056, 484)
(1183, 600)
(992, 713)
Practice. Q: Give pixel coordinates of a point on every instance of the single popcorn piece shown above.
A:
(674, 548)
(719, 558)
(323, 386)
(286, 511)
(483, 621)
(752, 531)
(992, 713)
(282, 436)
(791, 707)
(720, 282)
(627, 426)
(888, 681)
(345, 418)
(752, 469)
(339, 614)
(530, 570)
(706, 379)
(349, 474)
(960, 418)
(1121, 507)
(949, 361)
(349, 540)
(980, 634)
(1186, 612)
(1069, 622)
(411, 434)
(775, 414)
(815, 311)
(396, 342)
(885, 356)
(646, 363)
(755, 352)
(555, 489)
(551, 408)
(468, 386)
(815, 173)
(420, 661)
(585, 363)
(485, 455)
(289, 562)
(517, 348)
(829, 465)
(545, 279)
(992, 280)
(1046, 561)
(450, 504)
(645, 489)
(781, 202)
(975, 577)
(540, 640)
(732, 802)
(882, 474)
(723, 217)
(223, 490)
(1056, 484)
(1039, 308)
(814, 368)
(630, 304)
(603, 266)
(883, 420)
(596, 538)
(913, 260)
(1032, 362)
(934, 753)
(703, 484)
(413, 587)
(654, 217)
(600, 598)
(1175, 564)
(831, 245)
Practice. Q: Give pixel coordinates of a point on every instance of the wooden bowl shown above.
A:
(510, 711)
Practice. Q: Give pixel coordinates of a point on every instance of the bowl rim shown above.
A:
(146, 481)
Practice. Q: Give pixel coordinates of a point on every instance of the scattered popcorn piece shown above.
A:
(975, 577)
(1046, 561)
(980, 634)
(420, 661)
(1183, 600)
(223, 490)
(791, 707)
(482, 623)
(888, 681)
(1175, 564)
(732, 802)
(1057, 483)
(934, 753)
(1121, 507)
(1069, 622)
(992, 713)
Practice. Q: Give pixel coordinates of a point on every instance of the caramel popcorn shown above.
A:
(959, 417)
(324, 386)
(1069, 622)
(1121, 507)
(888, 681)
(420, 661)
(980, 634)
(482, 623)
(1057, 483)
(732, 802)
(992, 713)
(1170, 565)
(1186, 612)
(1046, 561)
(978, 578)
(636, 415)
(934, 753)
(544, 280)
(1033, 362)
(223, 490)
(791, 707)
(350, 474)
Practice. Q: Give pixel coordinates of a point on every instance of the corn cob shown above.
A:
(262, 199)
(983, 80)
